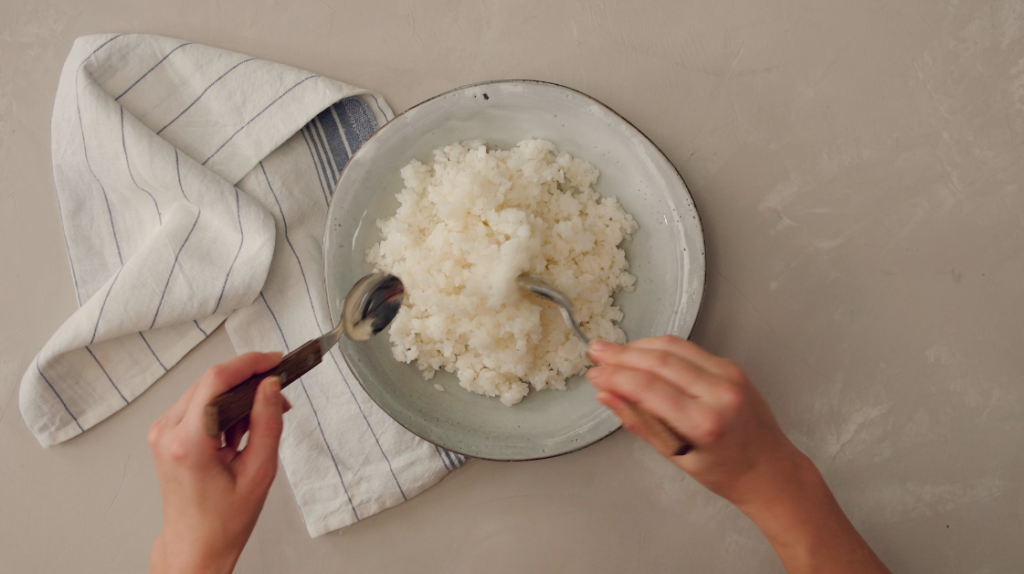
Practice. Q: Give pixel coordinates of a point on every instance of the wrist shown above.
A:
(189, 555)
(789, 508)
(790, 481)
(805, 524)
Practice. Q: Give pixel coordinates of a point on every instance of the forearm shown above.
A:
(809, 531)
(740, 451)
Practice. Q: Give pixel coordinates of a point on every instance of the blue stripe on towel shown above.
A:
(316, 416)
(321, 153)
(284, 224)
(258, 114)
(59, 398)
(241, 241)
(357, 119)
(143, 76)
(334, 140)
(85, 148)
(173, 265)
(443, 461)
(451, 457)
(319, 176)
(67, 246)
(358, 123)
(320, 140)
(102, 368)
(201, 94)
(127, 163)
(104, 306)
(148, 346)
(377, 102)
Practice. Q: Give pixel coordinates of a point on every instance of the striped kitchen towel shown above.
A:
(193, 185)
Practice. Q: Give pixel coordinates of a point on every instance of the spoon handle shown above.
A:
(236, 404)
(665, 440)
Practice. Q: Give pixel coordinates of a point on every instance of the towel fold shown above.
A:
(193, 186)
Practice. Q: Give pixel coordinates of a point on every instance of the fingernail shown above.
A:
(596, 374)
(272, 388)
(610, 400)
(276, 355)
(599, 346)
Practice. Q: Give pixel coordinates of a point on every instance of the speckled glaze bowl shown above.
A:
(666, 255)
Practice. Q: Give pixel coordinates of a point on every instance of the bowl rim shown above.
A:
(327, 227)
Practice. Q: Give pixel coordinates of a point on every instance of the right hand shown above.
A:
(739, 451)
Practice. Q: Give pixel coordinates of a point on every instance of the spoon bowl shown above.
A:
(371, 305)
(666, 440)
(369, 308)
(548, 291)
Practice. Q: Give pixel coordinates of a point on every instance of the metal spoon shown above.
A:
(666, 440)
(548, 291)
(370, 306)
(368, 309)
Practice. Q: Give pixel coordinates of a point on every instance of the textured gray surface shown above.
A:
(858, 168)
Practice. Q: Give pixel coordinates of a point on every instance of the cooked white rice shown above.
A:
(472, 222)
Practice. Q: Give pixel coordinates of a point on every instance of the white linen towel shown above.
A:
(193, 186)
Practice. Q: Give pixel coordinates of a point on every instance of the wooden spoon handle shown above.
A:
(236, 404)
(665, 440)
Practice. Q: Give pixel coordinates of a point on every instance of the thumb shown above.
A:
(256, 465)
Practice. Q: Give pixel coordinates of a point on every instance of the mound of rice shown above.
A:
(472, 222)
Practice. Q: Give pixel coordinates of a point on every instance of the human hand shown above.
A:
(740, 452)
(213, 493)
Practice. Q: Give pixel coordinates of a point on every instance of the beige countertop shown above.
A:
(858, 168)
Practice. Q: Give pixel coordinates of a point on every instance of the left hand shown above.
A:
(213, 494)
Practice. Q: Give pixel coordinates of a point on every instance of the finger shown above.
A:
(637, 421)
(256, 465)
(679, 411)
(233, 436)
(642, 425)
(222, 377)
(673, 369)
(688, 350)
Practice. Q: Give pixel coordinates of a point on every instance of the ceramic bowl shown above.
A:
(666, 255)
